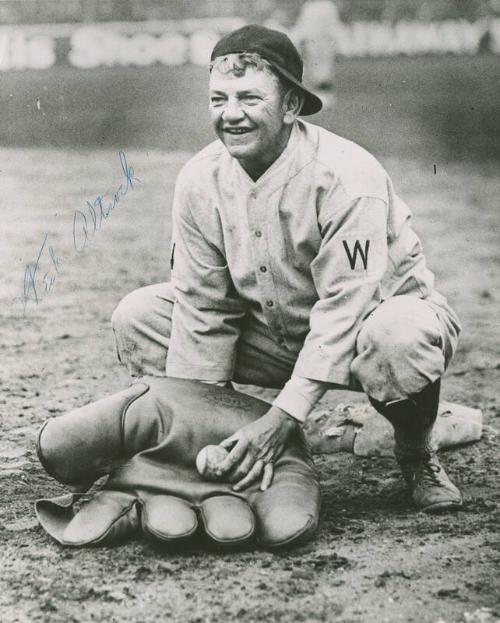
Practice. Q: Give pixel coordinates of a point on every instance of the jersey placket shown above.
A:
(257, 220)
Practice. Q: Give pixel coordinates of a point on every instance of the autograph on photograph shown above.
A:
(41, 274)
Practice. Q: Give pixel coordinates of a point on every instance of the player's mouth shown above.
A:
(237, 131)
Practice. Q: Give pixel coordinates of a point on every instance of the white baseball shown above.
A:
(209, 460)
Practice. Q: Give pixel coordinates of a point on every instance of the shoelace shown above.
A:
(427, 467)
(429, 471)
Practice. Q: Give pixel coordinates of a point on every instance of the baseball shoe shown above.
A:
(432, 491)
(415, 451)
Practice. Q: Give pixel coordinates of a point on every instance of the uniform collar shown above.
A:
(276, 166)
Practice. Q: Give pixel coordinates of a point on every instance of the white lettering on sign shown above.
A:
(100, 46)
(173, 49)
(412, 38)
(95, 47)
(201, 46)
(20, 51)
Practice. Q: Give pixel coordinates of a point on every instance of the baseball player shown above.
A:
(315, 34)
(294, 266)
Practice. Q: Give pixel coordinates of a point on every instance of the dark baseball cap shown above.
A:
(278, 51)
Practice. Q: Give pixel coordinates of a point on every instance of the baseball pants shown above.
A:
(404, 344)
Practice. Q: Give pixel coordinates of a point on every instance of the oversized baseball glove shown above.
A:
(147, 438)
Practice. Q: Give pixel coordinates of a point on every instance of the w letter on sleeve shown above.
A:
(357, 255)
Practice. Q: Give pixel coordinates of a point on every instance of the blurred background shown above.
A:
(402, 77)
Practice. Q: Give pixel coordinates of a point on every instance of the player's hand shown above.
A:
(255, 448)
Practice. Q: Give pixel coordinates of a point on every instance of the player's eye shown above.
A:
(251, 99)
(216, 100)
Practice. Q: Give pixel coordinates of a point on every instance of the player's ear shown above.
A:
(292, 104)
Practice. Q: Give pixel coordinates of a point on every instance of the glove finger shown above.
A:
(108, 518)
(284, 518)
(84, 444)
(54, 514)
(289, 510)
(168, 518)
(227, 519)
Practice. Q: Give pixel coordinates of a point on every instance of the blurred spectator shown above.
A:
(315, 35)
(283, 16)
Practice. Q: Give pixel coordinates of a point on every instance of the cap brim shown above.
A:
(312, 103)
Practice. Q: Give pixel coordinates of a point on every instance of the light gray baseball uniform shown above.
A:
(309, 278)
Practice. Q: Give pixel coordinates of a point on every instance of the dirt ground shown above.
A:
(374, 558)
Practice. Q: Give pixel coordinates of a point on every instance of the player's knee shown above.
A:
(399, 327)
(399, 349)
(390, 338)
(129, 312)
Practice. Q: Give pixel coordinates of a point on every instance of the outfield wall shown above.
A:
(190, 41)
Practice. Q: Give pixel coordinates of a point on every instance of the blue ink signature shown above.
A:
(87, 223)
(34, 288)
(41, 274)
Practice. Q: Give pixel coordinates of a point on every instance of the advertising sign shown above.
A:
(179, 43)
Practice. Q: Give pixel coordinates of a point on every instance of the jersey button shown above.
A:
(263, 269)
(258, 233)
(270, 303)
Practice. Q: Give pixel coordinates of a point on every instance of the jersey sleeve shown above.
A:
(207, 309)
(299, 397)
(347, 273)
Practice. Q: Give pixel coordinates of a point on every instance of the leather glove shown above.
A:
(147, 438)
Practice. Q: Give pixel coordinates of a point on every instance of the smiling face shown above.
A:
(251, 115)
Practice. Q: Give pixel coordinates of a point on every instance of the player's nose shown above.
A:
(232, 111)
